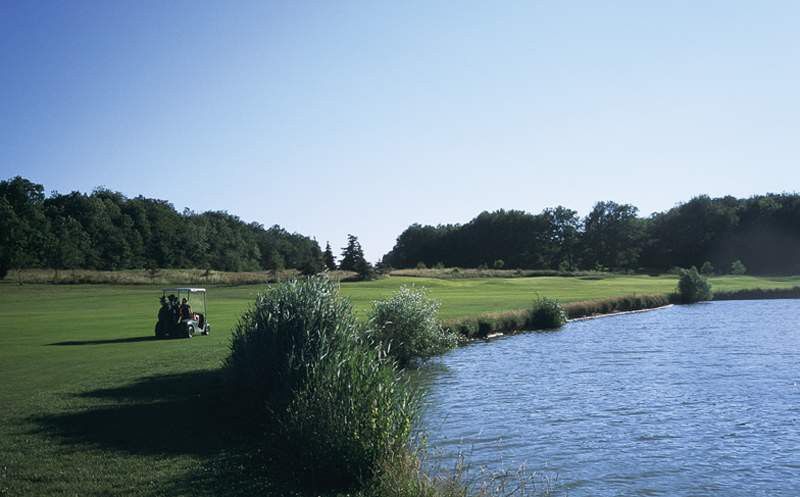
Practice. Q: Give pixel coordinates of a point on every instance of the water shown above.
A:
(699, 400)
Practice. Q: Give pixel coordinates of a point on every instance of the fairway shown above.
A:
(92, 405)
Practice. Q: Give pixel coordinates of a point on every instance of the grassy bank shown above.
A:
(92, 405)
(518, 320)
(759, 294)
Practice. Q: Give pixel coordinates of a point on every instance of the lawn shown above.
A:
(92, 405)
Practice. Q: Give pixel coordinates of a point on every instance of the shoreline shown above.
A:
(619, 313)
(582, 318)
(494, 325)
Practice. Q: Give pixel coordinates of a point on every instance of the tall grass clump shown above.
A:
(406, 325)
(338, 406)
(291, 327)
(693, 286)
(353, 413)
(546, 313)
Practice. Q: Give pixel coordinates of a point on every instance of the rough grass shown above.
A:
(159, 276)
(459, 273)
(92, 405)
(759, 293)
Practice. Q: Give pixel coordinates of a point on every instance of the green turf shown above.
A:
(91, 405)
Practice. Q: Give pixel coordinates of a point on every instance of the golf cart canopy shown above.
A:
(190, 290)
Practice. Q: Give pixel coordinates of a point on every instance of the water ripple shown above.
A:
(697, 400)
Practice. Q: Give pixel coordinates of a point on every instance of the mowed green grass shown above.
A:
(91, 405)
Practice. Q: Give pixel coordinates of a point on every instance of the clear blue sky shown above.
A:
(331, 118)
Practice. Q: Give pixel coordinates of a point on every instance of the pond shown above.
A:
(700, 400)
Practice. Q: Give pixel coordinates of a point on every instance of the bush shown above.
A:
(545, 314)
(499, 264)
(290, 327)
(707, 269)
(738, 268)
(421, 265)
(407, 326)
(353, 412)
(365, 270)
(693, 287)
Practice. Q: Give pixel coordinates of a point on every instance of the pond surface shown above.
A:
(694, 400)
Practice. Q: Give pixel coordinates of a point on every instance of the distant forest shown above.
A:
(758, 235)
(106, 230)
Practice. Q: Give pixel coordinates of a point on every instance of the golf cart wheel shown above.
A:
(189, 331)
(207, 331)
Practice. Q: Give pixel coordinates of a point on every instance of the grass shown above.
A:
(195, 277)
(91, 405)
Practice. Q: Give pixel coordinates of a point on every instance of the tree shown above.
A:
(353, 259)
(328, 259)
(365, 270)
(9, 237)
(312, 266)
(707, 269)
(23, 225)
(275, 261)
(738, 268)
(562, 238)
(613, 236)
(67, 245)
(352, 254)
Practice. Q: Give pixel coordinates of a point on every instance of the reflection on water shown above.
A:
(687, 401)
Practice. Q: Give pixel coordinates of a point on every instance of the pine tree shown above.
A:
(328, 259)
(353, 259)
(352, 254)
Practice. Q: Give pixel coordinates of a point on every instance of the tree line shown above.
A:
(106, 230)
(760, 234)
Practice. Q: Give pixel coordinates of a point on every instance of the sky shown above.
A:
(331, 118)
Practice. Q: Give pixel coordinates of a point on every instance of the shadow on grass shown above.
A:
(176, 415)
(106, 341)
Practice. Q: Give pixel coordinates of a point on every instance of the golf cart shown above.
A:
(178, 319)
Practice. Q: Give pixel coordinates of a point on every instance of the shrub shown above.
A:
(365, 270)
(499, 264)
(467, 328)
(546, 313)
(407, 326)
(353, 412)
(738, 268)
(421, 265)
(707, 269)
(693, 287)
(290, 327)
